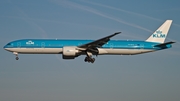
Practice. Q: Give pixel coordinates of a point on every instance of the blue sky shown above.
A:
(147, 77)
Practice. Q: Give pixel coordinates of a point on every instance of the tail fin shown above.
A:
(160, 34)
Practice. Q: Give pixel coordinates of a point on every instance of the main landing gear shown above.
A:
(15, 53)
(89, 58)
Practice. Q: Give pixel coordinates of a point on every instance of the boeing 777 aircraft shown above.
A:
(71, 49)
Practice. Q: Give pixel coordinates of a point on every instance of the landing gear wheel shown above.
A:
(17, 58)
(93, 59)
(89, 60)
(86, 59)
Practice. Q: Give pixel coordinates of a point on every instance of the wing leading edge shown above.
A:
(99, 42)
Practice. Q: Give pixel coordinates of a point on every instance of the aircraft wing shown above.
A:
(98, 43)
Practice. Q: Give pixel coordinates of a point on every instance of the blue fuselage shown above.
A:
(17, 46)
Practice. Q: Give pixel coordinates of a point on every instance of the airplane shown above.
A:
(70, 49)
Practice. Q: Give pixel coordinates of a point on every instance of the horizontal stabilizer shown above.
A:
(164, 44)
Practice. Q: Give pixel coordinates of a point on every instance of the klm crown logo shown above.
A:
(30, 43)
(159, 34)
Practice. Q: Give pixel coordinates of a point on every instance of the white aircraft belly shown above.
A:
(36, 50)
(123, 51)
(59, 51)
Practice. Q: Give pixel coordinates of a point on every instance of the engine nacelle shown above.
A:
(70, 52)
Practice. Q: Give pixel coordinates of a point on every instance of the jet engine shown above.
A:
(70, 52)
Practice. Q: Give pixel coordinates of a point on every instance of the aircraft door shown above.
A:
(141, 46)
(111, 45)
(18, 44)
(42, 44)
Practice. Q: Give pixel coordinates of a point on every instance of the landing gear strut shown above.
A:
(15, 53)
(89, 58)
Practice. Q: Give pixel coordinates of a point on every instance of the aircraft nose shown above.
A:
(5, 47)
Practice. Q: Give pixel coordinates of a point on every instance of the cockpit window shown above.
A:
(9, 44)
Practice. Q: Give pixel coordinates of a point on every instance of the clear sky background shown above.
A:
(146, 77)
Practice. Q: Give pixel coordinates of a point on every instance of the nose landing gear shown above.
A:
(17, 58)
(15, 53)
